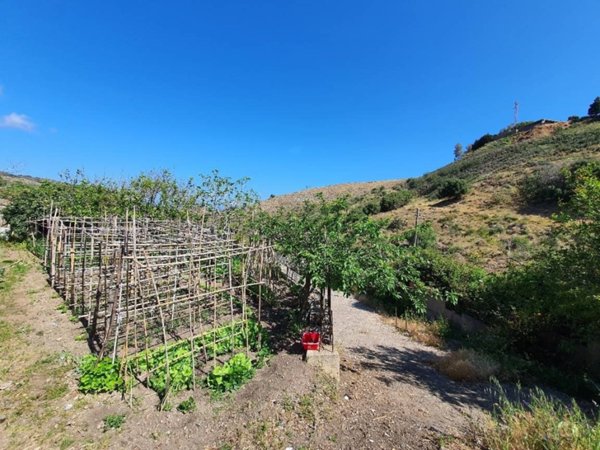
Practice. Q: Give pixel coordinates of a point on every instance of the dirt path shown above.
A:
(398, 377)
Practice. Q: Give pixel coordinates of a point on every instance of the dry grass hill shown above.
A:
(491, 225)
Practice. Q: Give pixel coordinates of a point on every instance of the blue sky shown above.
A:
(293, 94)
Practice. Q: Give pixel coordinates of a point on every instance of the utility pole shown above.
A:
(416, 228)
(516, 113)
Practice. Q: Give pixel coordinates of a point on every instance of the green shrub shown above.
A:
(394, 200)
(155, 195)
(547, 184)
(454, 188)
(99, 375)
(426, 236)
(371, 208)
(483, 140)
(554, 184)
(396, 224)
(231, 375)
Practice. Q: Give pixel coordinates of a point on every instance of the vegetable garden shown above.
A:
(170, 304)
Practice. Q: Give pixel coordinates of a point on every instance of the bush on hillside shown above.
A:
(453, 188)
(394, 200)
(372, 207)
(485, 139)
(426, 236)
(550, 184)
(547, 184)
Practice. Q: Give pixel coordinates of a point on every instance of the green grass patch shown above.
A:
(114, 421)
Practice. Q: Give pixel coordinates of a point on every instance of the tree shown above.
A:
(594, 109)
(333, 248)
(458, 151)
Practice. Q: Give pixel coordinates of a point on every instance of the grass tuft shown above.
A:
(467, 365)
(542, 423)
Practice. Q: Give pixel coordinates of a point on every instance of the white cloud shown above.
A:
(17, 121)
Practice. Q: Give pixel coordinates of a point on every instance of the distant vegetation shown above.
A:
(156, 195)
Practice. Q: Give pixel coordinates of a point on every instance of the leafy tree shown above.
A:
(320, 239)
(594, 109)
(331, 247)
(458, 151)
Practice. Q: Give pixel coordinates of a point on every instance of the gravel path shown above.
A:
(399, 372)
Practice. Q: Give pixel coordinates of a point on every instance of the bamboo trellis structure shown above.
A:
(138, 284)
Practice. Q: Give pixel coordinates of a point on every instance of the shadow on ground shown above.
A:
(414, 367)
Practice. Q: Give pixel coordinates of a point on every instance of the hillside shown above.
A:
(491, 225)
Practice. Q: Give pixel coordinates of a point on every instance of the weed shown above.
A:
(114, 421)
(306, 410)
(66, 443)
(187, 406)
(56, 391)
(6, 331)
(288, 404)
(542, 424)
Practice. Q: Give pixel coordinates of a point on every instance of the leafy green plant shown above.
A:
(180, 373)
(113, 421)
(187, 406)
(231, 375)
(99, 375)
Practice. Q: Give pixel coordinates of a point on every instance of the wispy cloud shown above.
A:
(17, 121)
